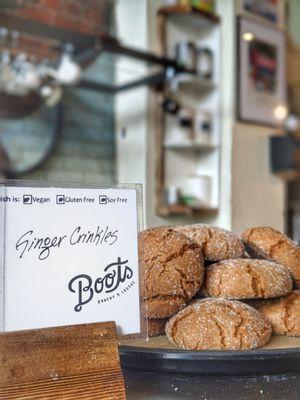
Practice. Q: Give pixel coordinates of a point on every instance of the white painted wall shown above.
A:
(225, 9)
(293, 20)
(258, 195)
(131, 106)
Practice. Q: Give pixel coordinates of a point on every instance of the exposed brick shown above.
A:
(52, 4)
(73, 7)
(63, 21)
(86, 16)
(27, 3)
(91, 28)
(94, 16)
(37, 14)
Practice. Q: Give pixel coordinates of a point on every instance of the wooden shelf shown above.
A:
(180, 209)
(193, 84)
(179, 10)
(190, 146)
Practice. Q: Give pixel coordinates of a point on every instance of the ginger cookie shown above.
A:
(266, 242)
(156, 327)
(283, 313)
(218, 324)
(217, 244)
(173, 271)
(244, 278)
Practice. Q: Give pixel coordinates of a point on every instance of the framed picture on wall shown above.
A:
(271, 11)
(261, 74)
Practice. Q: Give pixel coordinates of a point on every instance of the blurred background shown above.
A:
(198, 100)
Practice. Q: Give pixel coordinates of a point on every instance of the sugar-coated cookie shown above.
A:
(156, 327)
(217, 244)
(283, 313)
(173, 271)
(218, 324)
(266, 242)
(244, 278)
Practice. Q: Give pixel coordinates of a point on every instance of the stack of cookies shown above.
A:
(205, 292)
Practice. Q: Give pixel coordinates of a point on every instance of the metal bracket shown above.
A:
(152, 80)
(87, 46)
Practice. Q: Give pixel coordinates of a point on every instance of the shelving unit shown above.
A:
(180, 155)
(179, 13)
(184, 210)
(192, 84)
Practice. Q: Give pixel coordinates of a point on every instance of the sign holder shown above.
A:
(80, 361)
(2, 257)
(27, 257)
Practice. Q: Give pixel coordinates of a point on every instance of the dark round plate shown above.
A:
(262, 361)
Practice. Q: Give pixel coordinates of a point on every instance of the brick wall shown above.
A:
(87, 16)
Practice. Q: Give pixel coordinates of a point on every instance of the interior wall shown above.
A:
(293, 20)
(293, 186)
(131, 106)
(258, 195)
(226, 10)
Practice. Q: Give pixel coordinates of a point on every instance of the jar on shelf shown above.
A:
(204, 63)
(172, 196)
(196, 192)
(186, 121)
(203, 127)
(186, 53)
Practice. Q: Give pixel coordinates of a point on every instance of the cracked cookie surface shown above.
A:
(243, 278)
(173, 271)
(283, 313)
(218, 324)
(217, 244)
(266, 242)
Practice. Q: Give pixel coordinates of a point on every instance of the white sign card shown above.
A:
(70, 256)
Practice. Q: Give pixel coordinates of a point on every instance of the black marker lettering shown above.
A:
(43, 245)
